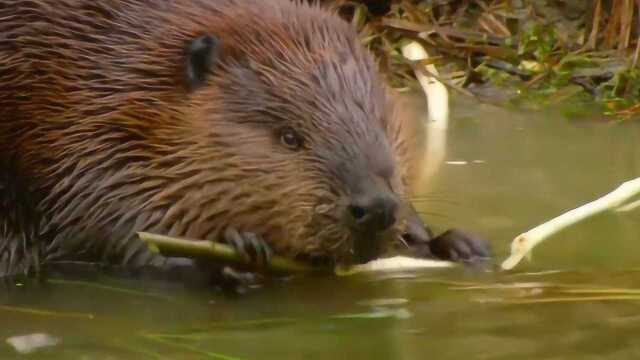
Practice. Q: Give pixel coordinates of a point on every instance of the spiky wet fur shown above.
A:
(100, 138)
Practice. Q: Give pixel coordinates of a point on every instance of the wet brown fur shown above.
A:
(100, 138)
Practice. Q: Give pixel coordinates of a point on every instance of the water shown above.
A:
(529, 166)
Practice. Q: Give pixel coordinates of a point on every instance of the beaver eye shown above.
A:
(290, 138)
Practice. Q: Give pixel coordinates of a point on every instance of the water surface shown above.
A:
(504, 171)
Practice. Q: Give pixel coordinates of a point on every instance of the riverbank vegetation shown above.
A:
(527, 53)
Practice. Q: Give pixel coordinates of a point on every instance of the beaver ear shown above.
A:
(201, 55)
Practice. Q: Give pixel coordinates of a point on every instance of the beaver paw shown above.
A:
(455, 245)
(251, 247)
(238, 283)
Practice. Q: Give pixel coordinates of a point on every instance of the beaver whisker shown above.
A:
(339, 243)
(438, 201)
(431, 213)
(428, 197)
(402, 241)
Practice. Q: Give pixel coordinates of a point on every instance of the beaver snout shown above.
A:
(370, 214)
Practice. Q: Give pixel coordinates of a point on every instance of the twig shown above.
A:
(595, 27)
(438, 109)
(171, 246)
(636, 53)
(479, 37)
(397, 263)
(435, 91)
(201, 248)
(615, 200)
(448, 84)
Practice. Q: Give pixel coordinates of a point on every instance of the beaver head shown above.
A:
(192, 117)
(308, 153)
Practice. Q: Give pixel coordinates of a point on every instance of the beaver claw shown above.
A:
(251, 247)
(238, 283)
(455, 245)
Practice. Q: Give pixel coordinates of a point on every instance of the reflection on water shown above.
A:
(509, 171)
(503, 173)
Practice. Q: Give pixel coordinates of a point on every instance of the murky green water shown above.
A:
(505, 172)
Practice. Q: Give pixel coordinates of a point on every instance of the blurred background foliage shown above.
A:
(529, 53)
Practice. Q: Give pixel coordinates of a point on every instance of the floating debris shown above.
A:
(27, 344)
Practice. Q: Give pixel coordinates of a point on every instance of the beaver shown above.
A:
(263, 124)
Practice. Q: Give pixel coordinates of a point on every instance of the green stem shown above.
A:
(49, 313)
(172, 246)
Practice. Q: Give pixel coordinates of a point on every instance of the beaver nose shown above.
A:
(374, 213)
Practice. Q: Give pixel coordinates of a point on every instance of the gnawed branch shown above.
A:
(616, 200)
